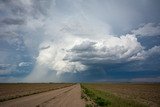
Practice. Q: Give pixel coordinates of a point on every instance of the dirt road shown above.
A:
(65, 97)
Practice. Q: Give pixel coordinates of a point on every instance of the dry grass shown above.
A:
(146, 93)
(12, 91)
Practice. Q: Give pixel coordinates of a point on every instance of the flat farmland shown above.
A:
(11, 91)
(148, 94)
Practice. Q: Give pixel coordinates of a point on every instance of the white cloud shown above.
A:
(22, 64)
(146, 53)
(52, 58)
(153, 50)
(149, 29)
(109, 50)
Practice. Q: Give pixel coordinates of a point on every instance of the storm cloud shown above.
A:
(68, 40)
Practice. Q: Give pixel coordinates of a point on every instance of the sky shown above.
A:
(79, 41)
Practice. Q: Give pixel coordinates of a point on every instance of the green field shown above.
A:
(121, 95)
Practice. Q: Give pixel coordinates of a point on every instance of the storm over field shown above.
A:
(79, 40)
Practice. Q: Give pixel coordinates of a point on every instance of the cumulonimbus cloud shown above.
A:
(69, 37)
(109, 50)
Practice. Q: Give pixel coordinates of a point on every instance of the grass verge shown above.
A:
(106, 99)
